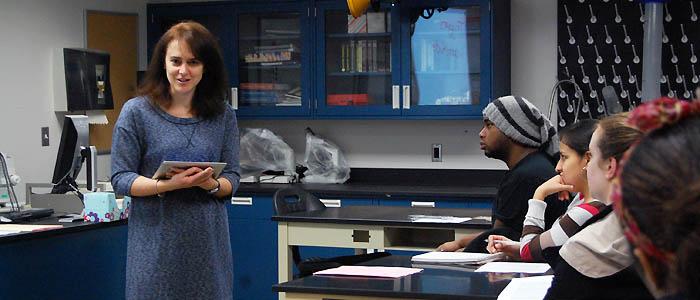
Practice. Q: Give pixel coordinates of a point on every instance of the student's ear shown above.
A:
(612, 168)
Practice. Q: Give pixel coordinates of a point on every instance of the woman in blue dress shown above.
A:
(178, 243)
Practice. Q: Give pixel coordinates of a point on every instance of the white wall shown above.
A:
(30, 29)
(407, 144)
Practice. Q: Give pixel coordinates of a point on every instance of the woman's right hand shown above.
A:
(186, 178)
(551, 186)
(499, 243)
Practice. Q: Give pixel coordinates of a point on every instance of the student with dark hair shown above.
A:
(595, 263)
(178, 243)
(657, 198)
(571, 177)
(518, 134)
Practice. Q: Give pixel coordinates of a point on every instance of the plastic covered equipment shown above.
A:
(324, 160)
(262, 150)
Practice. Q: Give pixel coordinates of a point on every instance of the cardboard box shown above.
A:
(376, 22)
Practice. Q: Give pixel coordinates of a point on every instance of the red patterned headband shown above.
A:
(648, 117)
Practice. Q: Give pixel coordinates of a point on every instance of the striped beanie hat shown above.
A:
(521, 121)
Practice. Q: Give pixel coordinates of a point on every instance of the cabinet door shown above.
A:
(446, 63)
(357, 69)
(254, 247)
(272, 65)
(215, 17)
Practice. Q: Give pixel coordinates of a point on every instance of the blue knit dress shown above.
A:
(178, 245)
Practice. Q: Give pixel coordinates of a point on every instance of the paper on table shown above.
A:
(456, 257)
(437, 219)
(527, 288)
(6, 232)
(389, 272)
(22, 227)
(514, 267)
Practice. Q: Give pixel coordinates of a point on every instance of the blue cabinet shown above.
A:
(433, 59)
(254, 246)
(272, 69)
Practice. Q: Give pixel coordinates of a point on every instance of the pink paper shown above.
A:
(388, 272)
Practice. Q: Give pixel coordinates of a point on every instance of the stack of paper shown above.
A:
(365, 271)
(514, 267)
(456, 257)
(527, 288)
(438, 219)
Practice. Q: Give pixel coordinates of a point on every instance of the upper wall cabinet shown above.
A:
(430, 59)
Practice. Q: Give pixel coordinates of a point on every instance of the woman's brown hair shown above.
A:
(660, 184)
(617, 136)
(210, 94)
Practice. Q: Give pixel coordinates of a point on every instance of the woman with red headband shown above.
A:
(657, 198)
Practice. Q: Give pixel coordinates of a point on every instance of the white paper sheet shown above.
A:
(369, 271)
(514, 267)
(455, 257)
(437, 219)
(527, 288)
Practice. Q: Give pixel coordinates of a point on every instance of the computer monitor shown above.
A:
(73, 150)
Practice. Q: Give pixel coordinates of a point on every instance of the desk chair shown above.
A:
(295, 199)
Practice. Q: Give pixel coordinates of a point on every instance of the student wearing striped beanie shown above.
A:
(521, 121)
(516, 133)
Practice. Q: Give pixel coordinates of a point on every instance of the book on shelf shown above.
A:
(347, 99)
(365, 56)
(263, 86)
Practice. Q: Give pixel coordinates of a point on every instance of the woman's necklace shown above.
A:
(189, 139)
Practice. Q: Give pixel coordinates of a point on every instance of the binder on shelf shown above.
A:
(347, 99)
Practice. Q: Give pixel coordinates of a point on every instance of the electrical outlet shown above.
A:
(44, 136)
(437, 153)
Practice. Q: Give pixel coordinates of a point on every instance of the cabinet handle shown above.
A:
(331, 202)
(406, 97)
(395, 94)
(422, 204)
(242, 200)
(234, 97)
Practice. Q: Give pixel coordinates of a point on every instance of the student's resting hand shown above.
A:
(449, 246)
(499, 243)
(194, 176)
(551, 186)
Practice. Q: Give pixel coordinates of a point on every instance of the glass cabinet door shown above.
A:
(272, 63)
(447, 71)
(355, 68)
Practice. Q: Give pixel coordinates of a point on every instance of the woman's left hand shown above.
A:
(551, 186)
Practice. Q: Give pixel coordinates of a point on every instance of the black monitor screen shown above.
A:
(87, 79)
(68, 160)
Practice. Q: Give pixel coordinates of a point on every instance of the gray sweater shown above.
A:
(178, 245)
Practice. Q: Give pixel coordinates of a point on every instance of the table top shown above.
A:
(388, 216)
(434, 282)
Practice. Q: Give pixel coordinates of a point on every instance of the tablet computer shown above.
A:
(166, 165)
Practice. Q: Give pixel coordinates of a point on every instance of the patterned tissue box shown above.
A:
(103, 207)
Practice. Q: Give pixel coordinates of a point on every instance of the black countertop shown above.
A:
(434, 282)
(67, 229)
(387, 216)
(388, 183)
